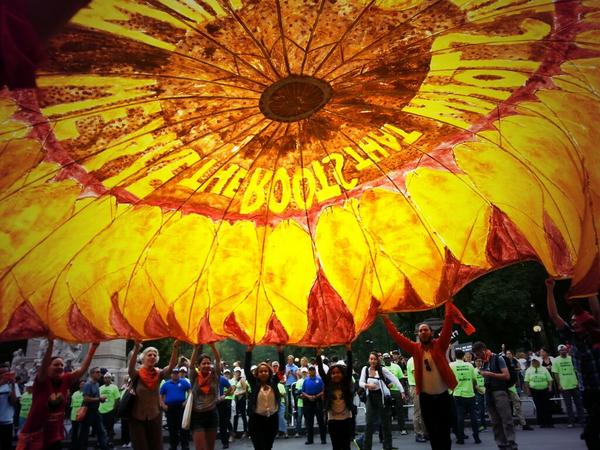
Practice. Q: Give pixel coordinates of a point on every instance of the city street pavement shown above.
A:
(559, 438)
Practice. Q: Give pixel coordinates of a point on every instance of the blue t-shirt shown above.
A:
(312, 386)
(175, 392)
(224, 384)
(91, 389)
(290, 370)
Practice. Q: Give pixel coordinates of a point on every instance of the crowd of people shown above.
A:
(204, 400)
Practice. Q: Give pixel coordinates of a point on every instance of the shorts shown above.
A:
(205, 421)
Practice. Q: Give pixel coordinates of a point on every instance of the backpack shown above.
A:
(511, 370)
(362, 393)
(514, 375)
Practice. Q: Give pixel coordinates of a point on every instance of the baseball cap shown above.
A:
(304, 370)
(107, 375)
(312, 368)
(227, 371)
(562, 347)
(386, 355)
(253, 367)
(536, 358)
(183, 369)
(237, 369)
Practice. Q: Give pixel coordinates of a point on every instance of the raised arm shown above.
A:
(281, 356)
(165, 372)
(85, 365)
(446, 333)
(193, 360)
(551, 305)
(320, 367)
(248, 365)
(403, 342)
(42, 372)
(131, 370)
(349, 366)
(217, 356)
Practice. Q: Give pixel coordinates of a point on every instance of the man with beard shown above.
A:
(433, 374)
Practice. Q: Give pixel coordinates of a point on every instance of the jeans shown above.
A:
(108, 420)
(314, 408)
(465, 405)
(437, 415)
(281, 418)
(571, 396)
(480, 408)
(75, 435)
(498, 406)
(92, 419)
(177, 435)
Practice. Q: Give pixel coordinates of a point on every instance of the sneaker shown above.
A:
(477, 440)
(308, 443)
(419, 438)
(403, 432)
(570, 425)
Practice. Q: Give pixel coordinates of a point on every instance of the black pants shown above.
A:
(341, 433)
(6, 436)
(224, 410)
(543, 406)
(398, 408)
(75, 426)
(591, 432)
(92, 419)
(108, 420)
(240, 413)
(263, 430)
(125, 431)
(466, 405)
(177, 435)
(437, 415)
(314, 408)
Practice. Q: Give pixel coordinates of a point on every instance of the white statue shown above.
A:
(17, 359)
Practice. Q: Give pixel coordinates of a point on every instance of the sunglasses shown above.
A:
(427, 366)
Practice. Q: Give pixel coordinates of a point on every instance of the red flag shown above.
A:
(459, 319)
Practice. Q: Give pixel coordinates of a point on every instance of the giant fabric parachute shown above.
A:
(284, 170)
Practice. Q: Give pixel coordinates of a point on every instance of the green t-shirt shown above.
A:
(25, 401)
(566, 372)
(282, 393)
(465, 375)
(480, 382)
(299, 384)
(538, 378)
(410, 372)
(76, 402)
(397, 372)
(112, 394)
(233, 384)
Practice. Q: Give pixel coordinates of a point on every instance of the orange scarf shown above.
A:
(149, 377)
(204, 382)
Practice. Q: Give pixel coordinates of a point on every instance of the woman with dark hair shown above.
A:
(44, 427)
(338, 398)
(145, 422)
(205, 390)
(264, 400)
(375, 380)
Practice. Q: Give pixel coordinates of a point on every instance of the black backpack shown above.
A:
(514, 375)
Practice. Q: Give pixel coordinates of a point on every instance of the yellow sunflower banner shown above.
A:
(281, 171)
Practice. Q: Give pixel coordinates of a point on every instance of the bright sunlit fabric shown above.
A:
(283, 171)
